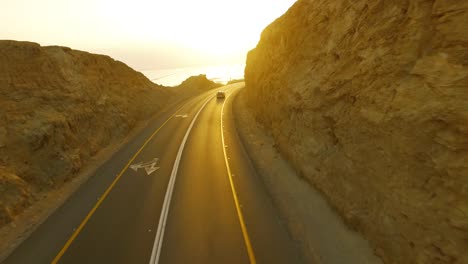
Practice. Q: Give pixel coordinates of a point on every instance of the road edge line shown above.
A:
(245, 234)
(156, 251)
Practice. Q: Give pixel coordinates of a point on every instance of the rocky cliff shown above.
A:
(195, 85)
(58, 108)
(368, 100)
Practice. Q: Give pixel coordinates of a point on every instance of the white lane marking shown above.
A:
(182, 116)
(149, 166)
(156, 252)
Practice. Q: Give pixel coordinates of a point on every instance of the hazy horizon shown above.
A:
(145, 34)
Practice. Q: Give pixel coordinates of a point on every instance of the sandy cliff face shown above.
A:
(58, 108)
(369, 102)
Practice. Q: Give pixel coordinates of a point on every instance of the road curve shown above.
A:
(174, 194)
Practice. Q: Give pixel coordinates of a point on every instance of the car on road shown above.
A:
(221, 94)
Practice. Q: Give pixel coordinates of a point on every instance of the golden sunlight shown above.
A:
(190, 32)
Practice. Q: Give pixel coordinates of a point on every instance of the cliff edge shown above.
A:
(368, 102)
(59, 107)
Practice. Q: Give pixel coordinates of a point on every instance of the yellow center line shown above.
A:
(83, 223)
(236, 200)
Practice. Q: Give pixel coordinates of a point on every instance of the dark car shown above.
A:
(221, 94)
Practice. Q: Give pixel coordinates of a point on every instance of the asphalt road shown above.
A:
(182, 191)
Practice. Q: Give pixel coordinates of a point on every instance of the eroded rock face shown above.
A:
(58, 108)
(369, 102)
(15, 195)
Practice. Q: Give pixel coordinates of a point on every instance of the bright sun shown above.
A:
(211, 28)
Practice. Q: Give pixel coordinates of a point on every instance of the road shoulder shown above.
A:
(323, 236)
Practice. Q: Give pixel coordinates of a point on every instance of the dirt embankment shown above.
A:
(58, 108)
(368, 101)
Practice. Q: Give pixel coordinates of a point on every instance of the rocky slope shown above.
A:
(368, 100)
(58, 108)
(195, 85)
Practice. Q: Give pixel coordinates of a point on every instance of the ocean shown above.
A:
(174, 77)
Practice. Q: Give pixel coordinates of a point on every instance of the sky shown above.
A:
(145, 34)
